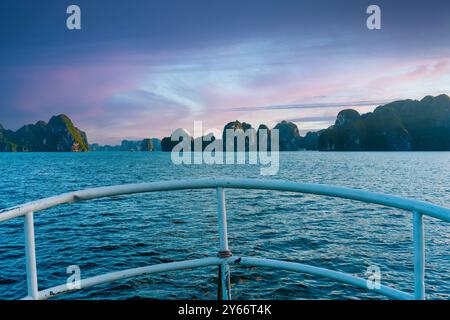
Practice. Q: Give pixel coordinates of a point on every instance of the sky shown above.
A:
(141, 68)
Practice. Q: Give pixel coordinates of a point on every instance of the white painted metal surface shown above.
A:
(30, 255)
(419, 256)
(129, 273)
(224, 259)
(322, 272)
(224, 290)
(222, 220)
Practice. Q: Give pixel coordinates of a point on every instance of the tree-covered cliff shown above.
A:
(59, 134)
(406, 125)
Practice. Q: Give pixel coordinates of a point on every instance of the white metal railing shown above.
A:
(225, 257)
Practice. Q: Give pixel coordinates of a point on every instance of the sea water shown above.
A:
(117, 233)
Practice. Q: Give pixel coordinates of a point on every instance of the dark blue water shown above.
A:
(130, 231)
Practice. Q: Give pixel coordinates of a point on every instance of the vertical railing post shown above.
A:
(30, 254)
(224, 287)
(419, 256)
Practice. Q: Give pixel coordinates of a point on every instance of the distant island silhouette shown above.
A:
(404, 125)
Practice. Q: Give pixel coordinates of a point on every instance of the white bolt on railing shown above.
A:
(225, 258)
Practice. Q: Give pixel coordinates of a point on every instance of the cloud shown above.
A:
(311, 119)
(422, 72)
(323, 105)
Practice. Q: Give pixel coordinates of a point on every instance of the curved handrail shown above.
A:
(418, 209)
(423, 207)
(129, 273)
(214, 261)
